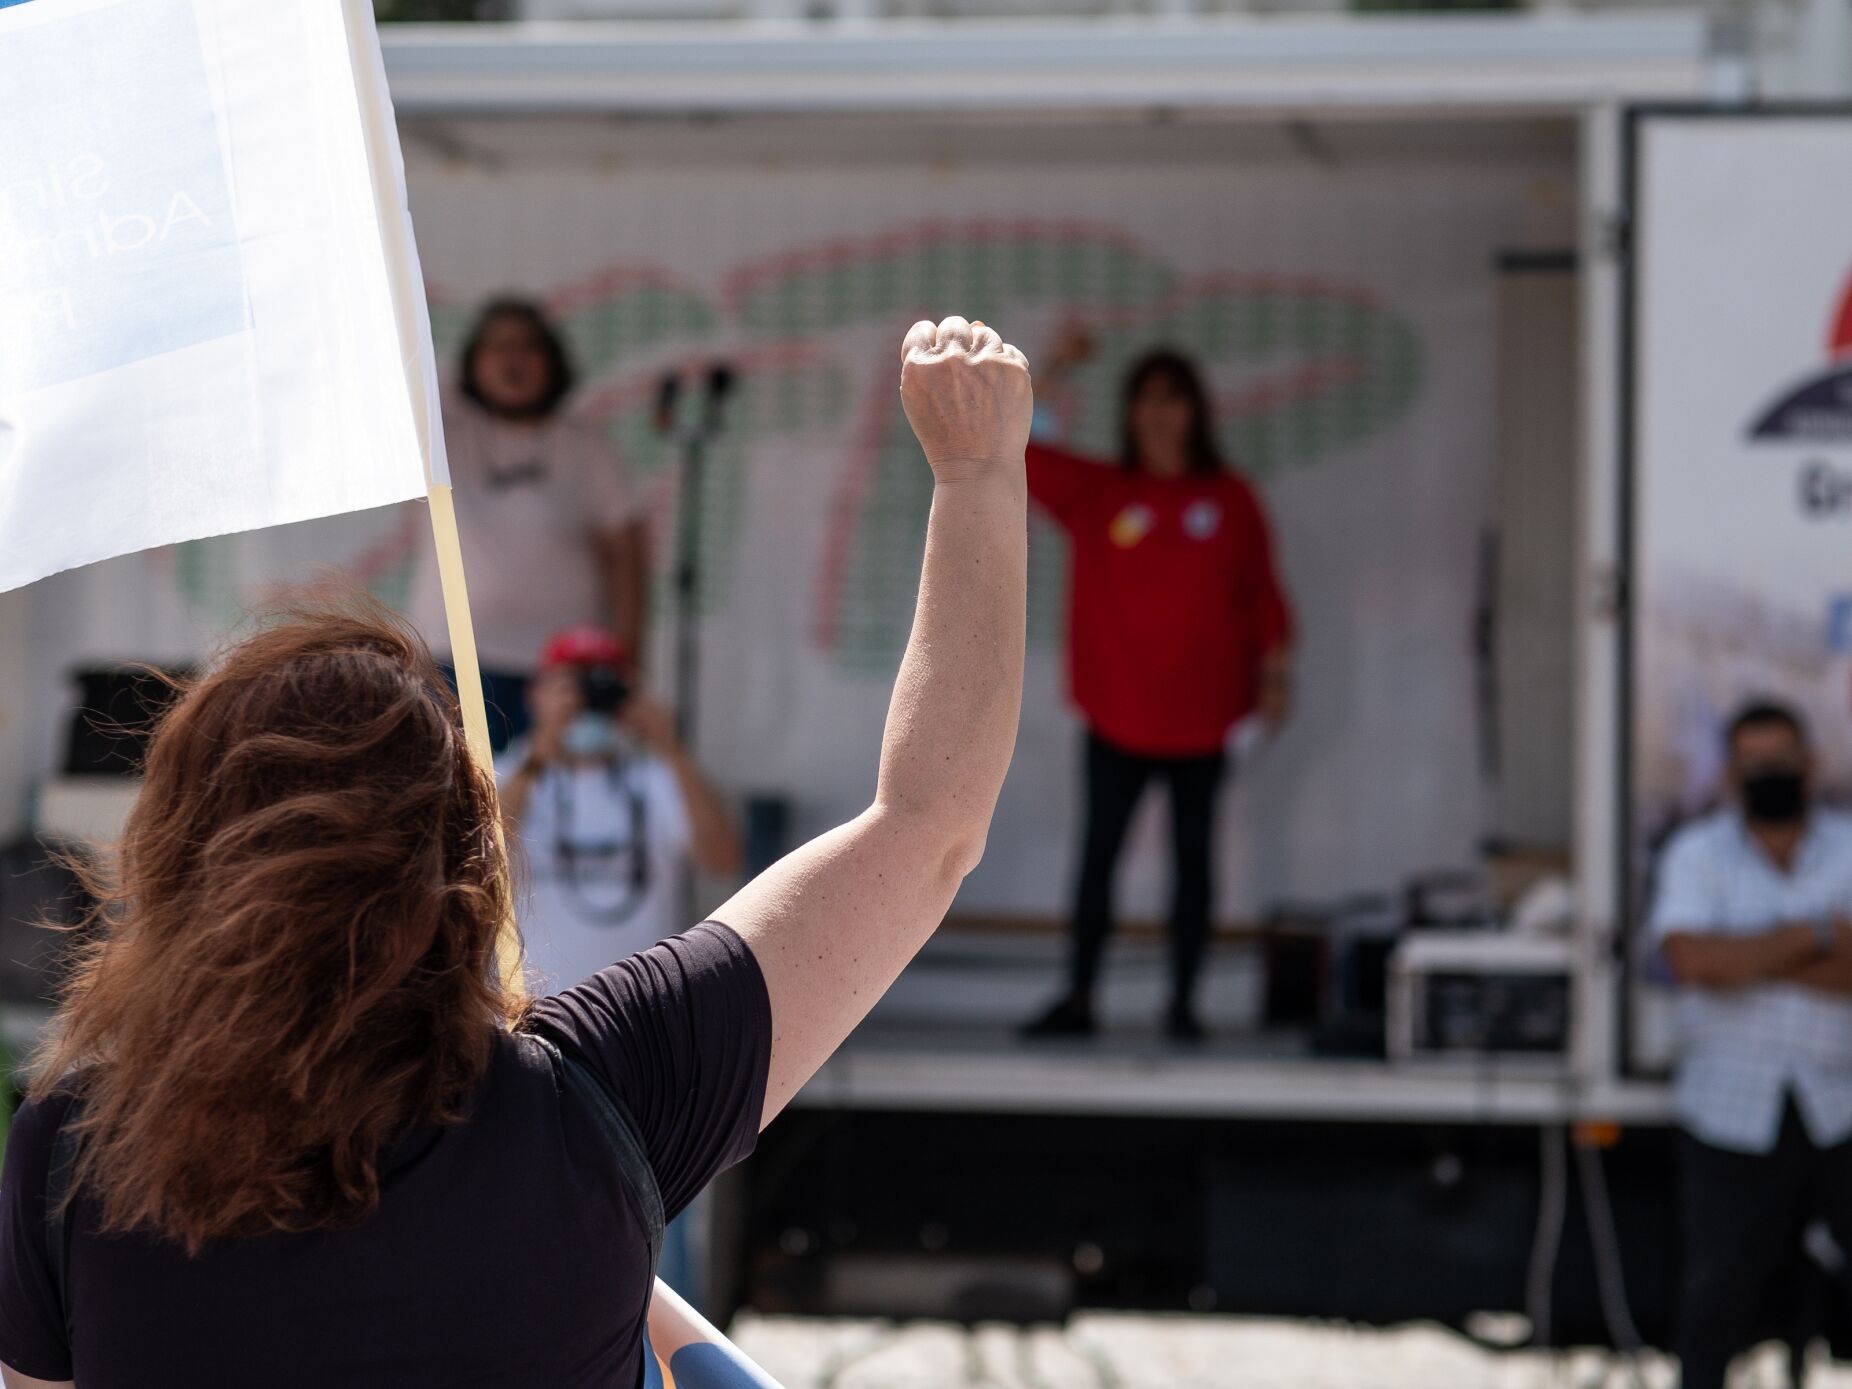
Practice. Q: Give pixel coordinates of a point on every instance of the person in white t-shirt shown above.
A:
(550, 533)
(609, 809)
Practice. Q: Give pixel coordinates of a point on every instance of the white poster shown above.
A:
(1742, 451)
(1743, 446)
(201, 225)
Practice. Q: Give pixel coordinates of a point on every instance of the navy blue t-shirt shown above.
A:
(505, 1251)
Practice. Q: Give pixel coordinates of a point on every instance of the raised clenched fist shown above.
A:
(967, 396)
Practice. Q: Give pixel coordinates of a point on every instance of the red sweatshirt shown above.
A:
(1175, 600)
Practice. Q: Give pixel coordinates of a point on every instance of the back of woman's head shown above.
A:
(299, 956)
(1171, 369)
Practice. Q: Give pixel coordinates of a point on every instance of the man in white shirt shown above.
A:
(608, 808)
(1751, 921)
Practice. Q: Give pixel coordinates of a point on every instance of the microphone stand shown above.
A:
(715, 387)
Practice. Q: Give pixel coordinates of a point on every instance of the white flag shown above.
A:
(211, 317)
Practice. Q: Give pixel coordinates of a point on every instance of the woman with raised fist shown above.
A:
(1178, 629)
(296, 1129)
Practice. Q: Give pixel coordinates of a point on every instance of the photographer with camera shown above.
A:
(608, 807)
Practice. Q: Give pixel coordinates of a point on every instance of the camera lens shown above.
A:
(603, 689)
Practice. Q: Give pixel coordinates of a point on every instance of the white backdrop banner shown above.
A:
(1344, 316)
(199, 328)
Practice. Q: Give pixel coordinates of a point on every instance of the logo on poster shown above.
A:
(1817, 411)
(1819, 408)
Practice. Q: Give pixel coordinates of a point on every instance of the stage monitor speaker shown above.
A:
(117, 709)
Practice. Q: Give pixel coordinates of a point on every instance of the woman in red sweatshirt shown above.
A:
(1178, 629)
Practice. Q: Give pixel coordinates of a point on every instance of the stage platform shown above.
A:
(944, 1040)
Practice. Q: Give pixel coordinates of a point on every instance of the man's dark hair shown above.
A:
(1764, 713)
(533, 317)
(1180, 373)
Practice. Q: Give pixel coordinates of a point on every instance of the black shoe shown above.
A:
(1180, 1024)
(1068, 1017)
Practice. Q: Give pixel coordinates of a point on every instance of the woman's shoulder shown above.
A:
(47, 1111)
(1238, 491)
(523, 1054)
(520, 1088)
(33, 1133)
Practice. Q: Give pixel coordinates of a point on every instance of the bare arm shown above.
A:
(1274, 692)
(13, 1379)
(1733, 962)
(553, 704)
(622, 563)
(1830, 973)
(834, 923)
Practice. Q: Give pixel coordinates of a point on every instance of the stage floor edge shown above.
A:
(957, 1069)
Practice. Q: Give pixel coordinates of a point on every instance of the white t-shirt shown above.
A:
(599, 864)
(531, 502)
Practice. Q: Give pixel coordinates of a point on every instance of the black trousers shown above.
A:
(1116, 781)
(1741, 1218)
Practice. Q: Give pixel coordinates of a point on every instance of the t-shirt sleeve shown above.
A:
(1684, 899)
(32, 1338)
(1061, 482)
(1270, 611)
(682, 1033)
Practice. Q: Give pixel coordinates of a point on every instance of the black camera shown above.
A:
(604, 690)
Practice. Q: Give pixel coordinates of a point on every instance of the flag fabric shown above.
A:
(211, 318)
(211, 313)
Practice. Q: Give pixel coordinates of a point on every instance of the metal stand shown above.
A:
(716, 387)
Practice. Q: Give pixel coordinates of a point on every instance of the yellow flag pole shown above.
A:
(462, 631)
(406, 284)
(468, 668)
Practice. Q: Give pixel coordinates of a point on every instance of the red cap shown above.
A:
(582, 646)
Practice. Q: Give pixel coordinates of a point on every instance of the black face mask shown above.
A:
(1774, 797)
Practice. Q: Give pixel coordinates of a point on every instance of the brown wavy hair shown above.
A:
(298, 956)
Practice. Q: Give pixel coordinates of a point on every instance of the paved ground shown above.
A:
(1097, 1351)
